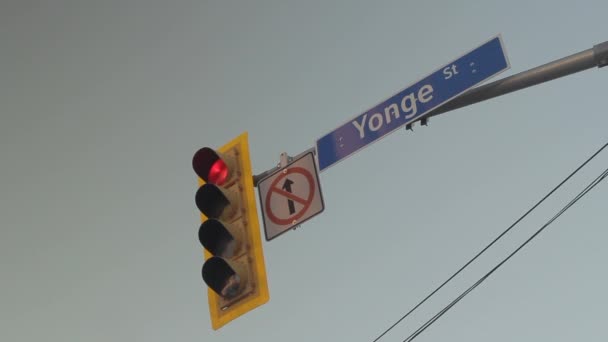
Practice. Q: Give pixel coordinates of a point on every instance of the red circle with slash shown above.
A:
(280, 192)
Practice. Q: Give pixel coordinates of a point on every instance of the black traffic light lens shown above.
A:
(209, 166)
(221, 278)
(211, 201)
(216, 238)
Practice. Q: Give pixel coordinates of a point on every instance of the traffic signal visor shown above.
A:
(234, 270)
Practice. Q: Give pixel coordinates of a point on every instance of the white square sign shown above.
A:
(290, 196)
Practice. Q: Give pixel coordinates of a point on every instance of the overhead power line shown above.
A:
(491, 243)
(595, 182)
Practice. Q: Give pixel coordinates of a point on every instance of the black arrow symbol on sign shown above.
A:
(287, 187)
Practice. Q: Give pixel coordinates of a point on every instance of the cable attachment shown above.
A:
(423, 122)
(600, 54)
(284, 160)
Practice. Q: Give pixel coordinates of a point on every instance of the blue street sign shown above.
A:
(413, 102)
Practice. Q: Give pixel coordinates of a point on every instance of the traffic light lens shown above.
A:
(211, 201)
(221, 278)
(210, 166)
(231, 286)
(218, 173)
(216, 238)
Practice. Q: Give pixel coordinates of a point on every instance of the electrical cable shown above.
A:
(491, 243)
(595, 182)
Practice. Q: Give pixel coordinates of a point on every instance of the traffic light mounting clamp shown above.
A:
(284, 159)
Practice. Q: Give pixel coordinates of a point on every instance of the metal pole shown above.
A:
(596, 56)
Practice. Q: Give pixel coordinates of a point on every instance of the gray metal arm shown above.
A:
(596, 56)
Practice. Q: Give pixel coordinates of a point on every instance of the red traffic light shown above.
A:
(218, 172)
(210, 167)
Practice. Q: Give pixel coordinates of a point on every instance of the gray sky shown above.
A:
(103, 103)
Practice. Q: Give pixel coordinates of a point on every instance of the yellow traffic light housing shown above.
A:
(234, 269)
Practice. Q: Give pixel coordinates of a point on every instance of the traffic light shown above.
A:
(234, 268)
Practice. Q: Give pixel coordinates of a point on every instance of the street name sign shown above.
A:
(290, 196)
(413, 102)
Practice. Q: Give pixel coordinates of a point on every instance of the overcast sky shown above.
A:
(103, 104)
